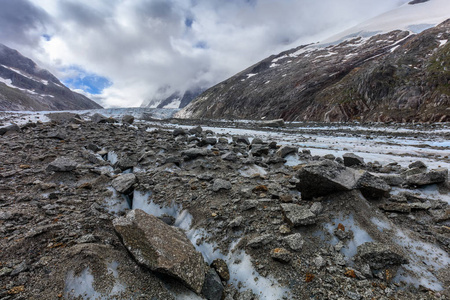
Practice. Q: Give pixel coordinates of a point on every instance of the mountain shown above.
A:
(25, 86)
(365, 74)
(177, 99)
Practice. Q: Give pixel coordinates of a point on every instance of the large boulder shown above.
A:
(380, 256)
(9, 128)
(161, 248)
(124, 182)
(194, 153)
(62, 164)
(128, 119)
(286, 150)
(351, 159)
(434, 176)
(372, 186)
(326, 177)
(297, 215)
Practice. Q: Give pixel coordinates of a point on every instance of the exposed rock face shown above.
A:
(389, 77)
(161, 248)
(29, 87)
(434, 176)
(380, 256)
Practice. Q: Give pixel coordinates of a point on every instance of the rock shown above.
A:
(396, 207)
(241, 139)
(372, 186)
(124, 182)
(319, 261)
(22, 267)
(126, 162)
(260, 241)
(98, 118)
(286, 150)
(298, 215)
(194, 153)
(351, 159)
(128, 119)
(259, 150)
(325, 177)
(282, 255)
(230, 156)
(417, 164)
(196, 130)
(392, 179)
(236, 222)
(161, 248)
(220, 184)
(93, 147)
(62, 164)
(257, 141)
(207, 141)
(272, 123)
(212, 288)
(10, 128)
(62, 117)
(431, 177)
(178, 131)
(316, 208)
(379, 256)
(329, 156)
(221, 268)
(294, 241)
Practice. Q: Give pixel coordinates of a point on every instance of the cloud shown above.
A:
(150, 48)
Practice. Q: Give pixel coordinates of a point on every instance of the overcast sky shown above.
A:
(124, 52)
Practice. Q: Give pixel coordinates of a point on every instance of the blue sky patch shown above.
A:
(188, 22)
(201, 45)
(47, 37)
(88, 82)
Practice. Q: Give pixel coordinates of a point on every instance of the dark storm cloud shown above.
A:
(21, 22)
(82, 14)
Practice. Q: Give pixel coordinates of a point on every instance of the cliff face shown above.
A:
(25, 86)
(396, 76)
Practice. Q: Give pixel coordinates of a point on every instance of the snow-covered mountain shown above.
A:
(177, 99)
(395, 67)
(25, 86)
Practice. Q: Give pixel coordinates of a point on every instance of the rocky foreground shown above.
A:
(212, 217)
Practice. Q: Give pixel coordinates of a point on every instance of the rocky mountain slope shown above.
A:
(25, 86)
(396, 76)
(102, 209)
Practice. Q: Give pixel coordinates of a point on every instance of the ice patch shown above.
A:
(381, 224)
(442, 42)
(112, 157)
(293, 160)
(251, 75)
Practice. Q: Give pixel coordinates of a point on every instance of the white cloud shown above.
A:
(142, 46)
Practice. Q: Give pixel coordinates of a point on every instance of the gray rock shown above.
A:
(282, 255)
(10, 128)
(126, 162)
(207, 141)
(392, 179)
(194, 153)
(179, 131)
(220, 184)
(259, 150)
(221, 268)
(257, 141)
(319, 261)
(196, 130)
(93, 147)
(260, 241)
(326, 177)
(88, 238)
(431, 177)
(98, 118)
(124, 182)
(236, 222)
(298, 215)
(316, 208)
(161, 248)
(241, 139)
(417, 164)
(396, 207)
(127, 119)
(212, 288)
(351, 159)
(286, 150)
(372, 186)
(62, 164)
(230, 156)
(272, 123)
(62, 117)
(22, 267)
(353, 296)
(294, 241)
(379, 256)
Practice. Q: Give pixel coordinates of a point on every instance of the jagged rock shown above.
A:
(10, 128)
(316, 208)
(260, 241)
(351, 159)
(98, 118)
(298, 215)
(431, 177)
(257, 141)
(372, 186)
(272, 123)
(161, 248)
(230, 156)
(221, 268)
(241, 139)
(63, 117)
(212, 288)
(259, 150)
(417, 164)
(207, 141)
(62, 164)
(220, 184)
(196, 130)
(282, 255)
(294, 241)
(128, 119)
(194, 153)
(236, 222)
(126, 162)
(179, 131)
(93, 147)
(396, 207)
(286, 150)
(380, 256)
(124, 182)
(393, 179)
(325, 177)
